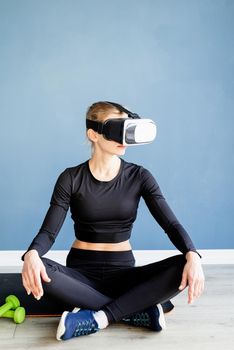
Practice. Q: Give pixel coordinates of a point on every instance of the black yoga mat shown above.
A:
(11, 283)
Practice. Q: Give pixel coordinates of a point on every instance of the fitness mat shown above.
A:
(11, 283)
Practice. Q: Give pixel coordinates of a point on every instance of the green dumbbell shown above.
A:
(18, 314)
(12, 302)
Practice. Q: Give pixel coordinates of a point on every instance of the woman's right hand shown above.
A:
(32, 274)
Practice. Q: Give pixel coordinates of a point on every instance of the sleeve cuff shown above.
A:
(195, 251)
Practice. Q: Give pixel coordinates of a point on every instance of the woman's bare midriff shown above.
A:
(122, 246)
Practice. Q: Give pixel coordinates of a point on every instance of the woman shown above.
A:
(100, 277)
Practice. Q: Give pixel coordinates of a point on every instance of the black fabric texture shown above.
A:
(110, 281)
(104, 212)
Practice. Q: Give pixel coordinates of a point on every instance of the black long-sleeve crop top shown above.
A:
(104, 212)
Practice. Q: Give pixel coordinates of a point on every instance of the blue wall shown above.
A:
(171, 61)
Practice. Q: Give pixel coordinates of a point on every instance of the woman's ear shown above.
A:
(92, 135)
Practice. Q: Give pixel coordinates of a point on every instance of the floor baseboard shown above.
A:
(12, 258)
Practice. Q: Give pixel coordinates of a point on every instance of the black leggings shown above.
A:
(109, 281)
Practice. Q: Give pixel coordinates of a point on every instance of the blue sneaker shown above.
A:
(152, 318)
(75, 324)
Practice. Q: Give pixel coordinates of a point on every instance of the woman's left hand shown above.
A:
(193, 276)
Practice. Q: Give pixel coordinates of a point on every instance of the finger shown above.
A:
(194, 286)
(200, 288)
(32, 288)
(31, 283)
(183, 283)
(44, 275)
(191, 293)
(38, 291)
(34, 283)
(31, 280)
(26, 285)
(27, 281)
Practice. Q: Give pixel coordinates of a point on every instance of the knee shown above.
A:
(47, 262)
(179, 259)
(50, 266)
(51, 269)
(179, 262)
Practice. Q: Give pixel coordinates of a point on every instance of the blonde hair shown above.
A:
(100, 110)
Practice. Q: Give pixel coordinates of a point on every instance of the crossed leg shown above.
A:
(120, 294)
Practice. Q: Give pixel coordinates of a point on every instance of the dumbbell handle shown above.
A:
(17, 315)
(9, 314)
(4, 308)
(12, 302)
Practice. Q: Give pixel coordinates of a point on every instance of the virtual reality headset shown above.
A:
(129, 131)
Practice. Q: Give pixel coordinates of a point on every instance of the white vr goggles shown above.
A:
(129, 131)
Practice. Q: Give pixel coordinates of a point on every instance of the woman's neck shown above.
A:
(104, 167)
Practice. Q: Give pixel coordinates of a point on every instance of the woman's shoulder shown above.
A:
(138, 171)
(72, 171)
(76, 168)
(135, 167)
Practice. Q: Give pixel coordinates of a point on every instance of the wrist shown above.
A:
(191, 255)
(32, 252)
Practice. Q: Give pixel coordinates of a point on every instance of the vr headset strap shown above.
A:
(98, 126)
(94, 125)
(125, 110)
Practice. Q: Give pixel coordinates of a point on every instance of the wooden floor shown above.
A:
(206, 325)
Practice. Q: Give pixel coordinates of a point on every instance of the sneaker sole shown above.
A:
(161, 319)
(61, 327)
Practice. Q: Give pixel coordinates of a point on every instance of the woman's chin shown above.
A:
(121, 150)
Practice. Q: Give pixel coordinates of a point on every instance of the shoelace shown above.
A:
(139, 319)
(84, 328)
